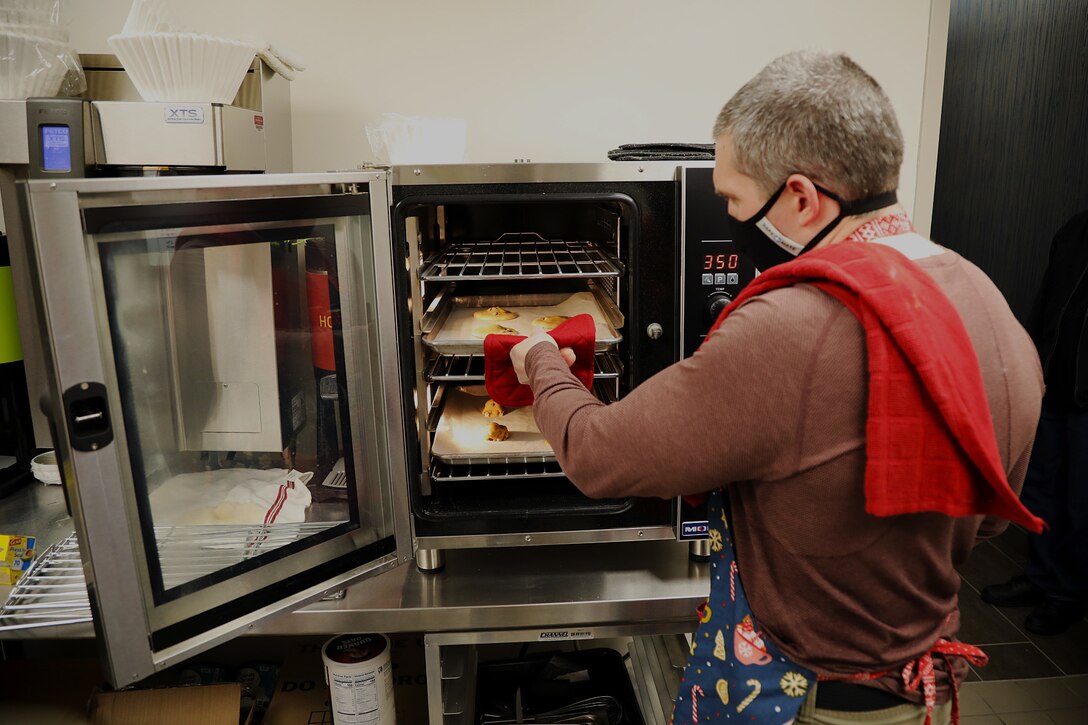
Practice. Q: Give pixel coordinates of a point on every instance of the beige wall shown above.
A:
(562, 80)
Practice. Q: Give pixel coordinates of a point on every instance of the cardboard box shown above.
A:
(205, 704)
(16, 553)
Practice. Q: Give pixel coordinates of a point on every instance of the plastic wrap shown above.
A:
(36, 59)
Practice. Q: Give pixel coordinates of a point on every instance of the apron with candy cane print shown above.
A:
(734, 675)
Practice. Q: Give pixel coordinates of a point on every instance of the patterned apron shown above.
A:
(734, 675)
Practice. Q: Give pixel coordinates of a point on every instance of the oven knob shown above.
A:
(654, 331)
(715, 304)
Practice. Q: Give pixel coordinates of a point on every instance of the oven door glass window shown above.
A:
(247, 438)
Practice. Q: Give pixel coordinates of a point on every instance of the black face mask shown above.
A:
(759, 240)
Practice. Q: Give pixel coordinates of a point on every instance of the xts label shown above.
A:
(183, 114)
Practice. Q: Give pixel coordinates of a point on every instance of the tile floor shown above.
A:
(1030, 680)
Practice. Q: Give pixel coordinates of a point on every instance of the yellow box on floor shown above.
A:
(205, 704)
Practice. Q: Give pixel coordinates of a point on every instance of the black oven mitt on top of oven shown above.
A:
(579, 333)
(663, 152)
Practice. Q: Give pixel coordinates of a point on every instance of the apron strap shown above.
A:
(919, 672)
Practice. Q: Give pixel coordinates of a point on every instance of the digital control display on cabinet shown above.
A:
(720, 262)
(714, 271)
(56, 148)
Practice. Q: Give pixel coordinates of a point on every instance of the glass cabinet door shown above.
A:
(227, 396)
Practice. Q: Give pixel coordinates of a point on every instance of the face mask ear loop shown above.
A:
(766, 208)
(843, 213)
(849, 208)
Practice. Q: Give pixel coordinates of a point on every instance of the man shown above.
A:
(774, 410)
(1055, 580)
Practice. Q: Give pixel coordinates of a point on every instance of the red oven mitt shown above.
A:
(578, 333)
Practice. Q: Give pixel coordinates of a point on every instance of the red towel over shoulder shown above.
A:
(578, 333)
(930, 438)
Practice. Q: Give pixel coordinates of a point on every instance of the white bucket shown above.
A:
(359, 674)
(44, 467)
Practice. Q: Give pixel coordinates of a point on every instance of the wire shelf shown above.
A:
(495, 469)
(521, 256)
(53, 592)
(468, 368)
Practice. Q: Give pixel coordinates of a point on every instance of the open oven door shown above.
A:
(226, 401)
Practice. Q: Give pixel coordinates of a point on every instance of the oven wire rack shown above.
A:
(53, 592)
(469, 367)
(521, 255)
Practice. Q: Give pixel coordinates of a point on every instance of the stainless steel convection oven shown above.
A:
(263, 387)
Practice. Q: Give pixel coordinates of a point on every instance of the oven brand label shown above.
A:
(183, 114)
(564, 634)
(694, 528)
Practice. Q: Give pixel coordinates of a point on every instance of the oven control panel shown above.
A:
(712, 271)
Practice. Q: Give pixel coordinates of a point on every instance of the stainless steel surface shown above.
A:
(451, 683)
(36, 510)
(419, 384)
(430, 559)
(520, 256)
(548, 538)
(624, 584)
(657, 663)
(700, 548)
(451, 662)
(532, 173)
(381, 363)
(118, 190)
(14, 146)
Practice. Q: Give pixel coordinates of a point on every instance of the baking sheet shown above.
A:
(453, 335)
(461, 436)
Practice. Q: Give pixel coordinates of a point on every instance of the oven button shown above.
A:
(716, 303)
(720, 278)
(708, 279)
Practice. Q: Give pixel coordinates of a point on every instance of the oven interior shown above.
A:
(537, 255)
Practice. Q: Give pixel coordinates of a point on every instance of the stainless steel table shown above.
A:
(616, 584)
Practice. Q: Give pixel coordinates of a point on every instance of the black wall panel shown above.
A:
(1013, 160)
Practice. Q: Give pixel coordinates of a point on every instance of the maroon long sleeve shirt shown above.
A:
(773, 408)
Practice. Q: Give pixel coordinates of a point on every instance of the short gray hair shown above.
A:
(818, 114)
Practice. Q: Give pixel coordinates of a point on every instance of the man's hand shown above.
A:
(519, 351)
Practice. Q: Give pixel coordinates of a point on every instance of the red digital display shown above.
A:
(720, 262)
